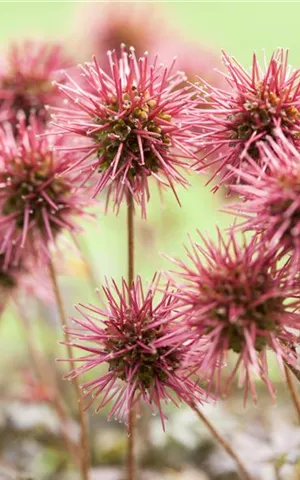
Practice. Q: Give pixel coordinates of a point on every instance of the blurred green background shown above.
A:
(239, 28)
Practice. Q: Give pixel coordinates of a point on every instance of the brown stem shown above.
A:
(244, 474)
(294, 370)
(131, 467)
(290, 384)
(48, 379)
(81, 415)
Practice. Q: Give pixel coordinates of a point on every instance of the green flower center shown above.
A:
(258, 116)
(123, 131)
(231, 292)
(27, 193)
(149, 362)
(27, 93)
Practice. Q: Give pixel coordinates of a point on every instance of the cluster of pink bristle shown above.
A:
(230, 297)
(137, 124)
(115, 129)
(144, 346)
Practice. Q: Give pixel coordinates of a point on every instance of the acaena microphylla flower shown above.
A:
(237, 300)
(271, 197)
(26, 78)
(256, 103)
(136, 123)
(143, 345)
(36, 203)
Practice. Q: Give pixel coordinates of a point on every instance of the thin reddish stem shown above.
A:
(244, 474)
(292, 389)
(294, 370)
(131, 467)
(81, 415)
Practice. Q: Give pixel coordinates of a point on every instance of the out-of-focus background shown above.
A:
(266, 436)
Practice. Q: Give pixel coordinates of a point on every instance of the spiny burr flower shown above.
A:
(137, 123)
(257, 102)
(26, 78)
(143, 346)
(272, 197)
(236, 299)
(35, 202)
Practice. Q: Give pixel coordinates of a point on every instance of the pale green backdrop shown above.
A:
(237, 27)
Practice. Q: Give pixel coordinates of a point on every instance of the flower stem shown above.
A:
(131, 467)
(244, 474)
(81, 416)
(292, 389)
(294, 370)
(48, 379)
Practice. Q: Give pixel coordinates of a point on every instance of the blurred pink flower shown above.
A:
(138, 125)
(143, 345)
(236, 299)
(272, 196)
(35, 202)
(107, 25)
(255, 105)
(26, 77)
(33, 390)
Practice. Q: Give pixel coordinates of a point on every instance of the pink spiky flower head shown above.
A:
(272, 196)
(236, 299)
(258, 102)
(26, 78)
(36, 204)
(137, 123)
(143, 345)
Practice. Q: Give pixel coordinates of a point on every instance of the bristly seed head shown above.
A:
(236, 306)
(271, 198)
(132, 345)
(122, 131)
(255, 106)
(144, 345)
(237, 298)
(36, 203)
(29, 186)
(138, 122)
(26, 81)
